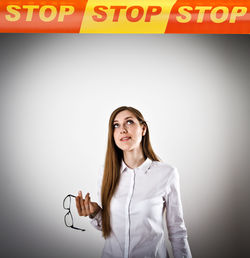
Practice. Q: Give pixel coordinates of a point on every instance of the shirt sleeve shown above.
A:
(177, 231)
(97, 220)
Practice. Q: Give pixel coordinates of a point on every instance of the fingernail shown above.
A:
(79, 192)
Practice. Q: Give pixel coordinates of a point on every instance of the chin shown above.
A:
(128, 149)
(123, 148)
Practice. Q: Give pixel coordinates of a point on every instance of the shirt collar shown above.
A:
(143, 167)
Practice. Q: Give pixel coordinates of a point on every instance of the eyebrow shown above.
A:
(125, 118)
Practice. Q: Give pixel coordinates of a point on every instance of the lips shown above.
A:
(123, 139)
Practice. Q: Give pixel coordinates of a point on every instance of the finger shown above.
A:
(91, 206)
(81, 203)
(78, 199)
(80, 194)
(82, 206)
(78, 205)
(87, 204)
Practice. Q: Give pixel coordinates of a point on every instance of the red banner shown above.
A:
(120, 16)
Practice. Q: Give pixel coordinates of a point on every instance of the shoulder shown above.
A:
(165, 168)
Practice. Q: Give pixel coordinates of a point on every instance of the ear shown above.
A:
(144, 130)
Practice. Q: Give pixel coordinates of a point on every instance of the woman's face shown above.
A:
(128, 131)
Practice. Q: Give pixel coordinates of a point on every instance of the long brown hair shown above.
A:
(112, 165)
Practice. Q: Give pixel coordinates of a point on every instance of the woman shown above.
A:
(136, 189)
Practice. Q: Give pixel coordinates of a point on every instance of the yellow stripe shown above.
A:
(156, 23)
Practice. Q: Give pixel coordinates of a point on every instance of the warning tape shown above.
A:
(125, 16)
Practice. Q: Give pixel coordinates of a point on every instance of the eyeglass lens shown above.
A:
(67, 202)
(68, 219)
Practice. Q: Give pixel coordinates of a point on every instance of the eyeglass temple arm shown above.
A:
(78, 228)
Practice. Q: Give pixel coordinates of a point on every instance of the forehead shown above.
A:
(123, 115)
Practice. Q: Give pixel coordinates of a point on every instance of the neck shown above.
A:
(134, 158)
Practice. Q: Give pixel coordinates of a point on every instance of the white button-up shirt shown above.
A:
(137, 214)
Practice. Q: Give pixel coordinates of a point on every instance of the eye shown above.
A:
(115, 125)
(130, 121)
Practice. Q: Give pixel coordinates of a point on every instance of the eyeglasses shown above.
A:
(68, 218)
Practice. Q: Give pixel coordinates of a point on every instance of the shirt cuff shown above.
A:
(181, 248)
(97, 220)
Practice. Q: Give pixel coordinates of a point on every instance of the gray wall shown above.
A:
(56, 94)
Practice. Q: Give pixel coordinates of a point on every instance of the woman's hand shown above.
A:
(85, 207)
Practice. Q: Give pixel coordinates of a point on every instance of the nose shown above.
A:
(123, 129)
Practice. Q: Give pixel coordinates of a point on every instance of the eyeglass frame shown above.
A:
(69, 213)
